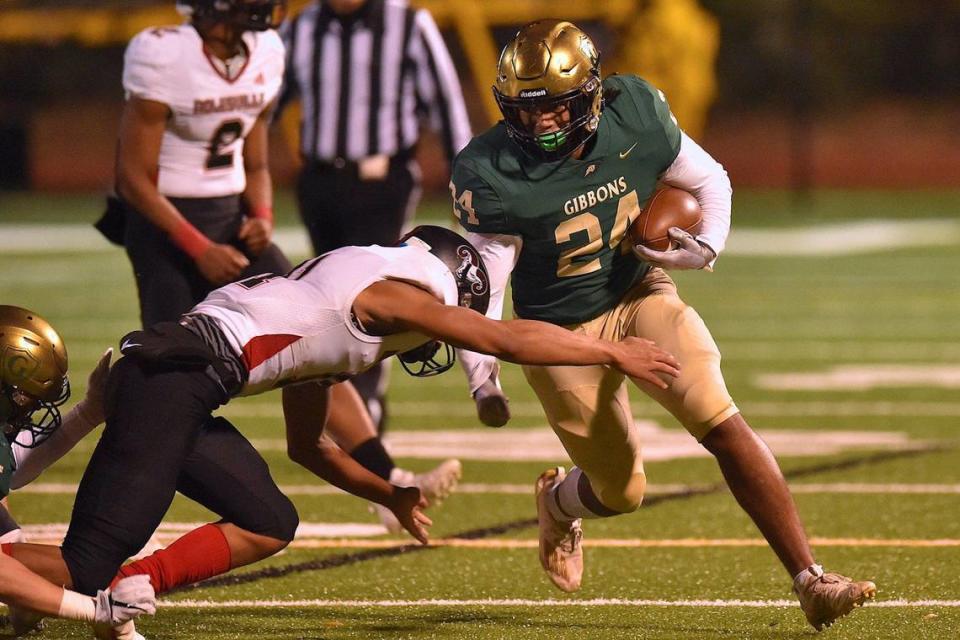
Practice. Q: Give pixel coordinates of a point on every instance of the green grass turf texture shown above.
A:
(768, 315)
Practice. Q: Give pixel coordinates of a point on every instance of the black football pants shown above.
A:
(168, 280)
(339, 210)
(160, 438)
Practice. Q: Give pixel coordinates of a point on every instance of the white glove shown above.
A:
(131, 597)
(688, 254)
(91, 407)
(493, 406)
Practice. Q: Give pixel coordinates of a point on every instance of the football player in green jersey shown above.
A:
(548, 194)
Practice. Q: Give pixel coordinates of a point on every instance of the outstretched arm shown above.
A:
(396, 306)
(305, 410)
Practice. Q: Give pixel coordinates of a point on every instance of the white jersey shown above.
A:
(299, 327)
(202, 151)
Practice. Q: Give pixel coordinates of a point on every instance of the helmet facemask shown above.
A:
(473, 292)
(33, 376)
(29, 421)
(582, 106)
(550, 67)
(429, 359)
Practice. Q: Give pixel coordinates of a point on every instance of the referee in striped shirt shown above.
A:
(368, 74)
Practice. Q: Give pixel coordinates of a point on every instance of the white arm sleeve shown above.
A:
(696, 171)
(31, 462)
(499, 253)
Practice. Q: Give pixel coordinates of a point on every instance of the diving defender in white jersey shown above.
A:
(328, 319)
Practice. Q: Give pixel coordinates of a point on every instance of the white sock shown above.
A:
(811, 572)
(76, 606)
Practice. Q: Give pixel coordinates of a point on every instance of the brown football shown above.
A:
(667, 207)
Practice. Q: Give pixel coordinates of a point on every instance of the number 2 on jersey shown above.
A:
(225, 135)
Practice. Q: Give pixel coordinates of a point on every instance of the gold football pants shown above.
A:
(588, 407)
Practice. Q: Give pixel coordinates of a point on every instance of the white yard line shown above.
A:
(627, 543)
(355, 535)
(864, 378)
(525, 602)
(845, 238)
(66, 488)
(83, 238)
(270, 408)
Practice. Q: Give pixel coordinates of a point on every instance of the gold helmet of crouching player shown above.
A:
(33, 376)
(550, 65)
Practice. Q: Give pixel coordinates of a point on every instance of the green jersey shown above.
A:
(6, 466)
(573, 214)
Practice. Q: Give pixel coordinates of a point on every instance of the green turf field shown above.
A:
(846, 363)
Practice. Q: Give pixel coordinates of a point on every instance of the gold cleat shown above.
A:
(826, 597)
(561, 554)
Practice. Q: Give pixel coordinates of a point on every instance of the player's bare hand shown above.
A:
(221, 263)
(641, 359)
(686, 254)
(407, 505)
(92, 403)
(493, 406)
(256, 234)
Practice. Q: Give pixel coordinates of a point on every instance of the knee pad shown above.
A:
(284, 522)
(626, 497)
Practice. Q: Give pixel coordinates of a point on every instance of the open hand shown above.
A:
(641, 359)
(407, 505)
(687, 254)
(92, 403)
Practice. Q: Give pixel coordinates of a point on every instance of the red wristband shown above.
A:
(187, 237)
(262, 212)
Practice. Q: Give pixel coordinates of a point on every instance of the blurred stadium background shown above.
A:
(798, 94)
(835, 307)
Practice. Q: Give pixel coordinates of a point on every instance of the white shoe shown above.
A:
(561, 554)
(435, 485)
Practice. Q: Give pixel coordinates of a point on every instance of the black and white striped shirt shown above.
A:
(366, 81)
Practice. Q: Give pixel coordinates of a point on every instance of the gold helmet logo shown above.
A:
(33, 373)
(17, 365)
(550, 65)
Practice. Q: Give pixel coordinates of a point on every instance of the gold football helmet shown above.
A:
(33, 376)
(548, 66)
